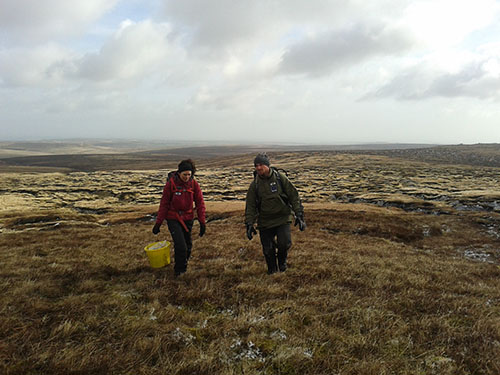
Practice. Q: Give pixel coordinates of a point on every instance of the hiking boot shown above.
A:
(178, 273)
(282, 261)
(282, 267)
(271, 265)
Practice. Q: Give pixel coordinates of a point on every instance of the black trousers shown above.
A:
(276, 242)
(182, 243)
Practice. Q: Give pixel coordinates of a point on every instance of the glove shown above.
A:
(156, 228)
(299, 220)
(250, 231)
(203, 228)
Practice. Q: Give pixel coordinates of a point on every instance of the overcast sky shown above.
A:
(320, 71)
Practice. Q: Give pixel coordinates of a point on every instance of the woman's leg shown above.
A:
(180, 246)
(187, 238)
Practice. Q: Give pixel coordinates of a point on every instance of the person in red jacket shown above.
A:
(176, 206)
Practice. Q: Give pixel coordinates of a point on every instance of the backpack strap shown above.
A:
(179, 189)
(283, 194)
(173, 186)
(280, 183)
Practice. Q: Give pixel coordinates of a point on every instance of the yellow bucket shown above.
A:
(158, 254)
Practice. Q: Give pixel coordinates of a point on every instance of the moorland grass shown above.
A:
(368, 291)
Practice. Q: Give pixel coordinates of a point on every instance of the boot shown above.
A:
(272, 267)
(282, 266)
(282, 261)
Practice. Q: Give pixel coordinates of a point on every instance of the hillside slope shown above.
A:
(369, 291)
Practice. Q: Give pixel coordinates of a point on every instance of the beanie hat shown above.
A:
(261, 159)
(186, 165)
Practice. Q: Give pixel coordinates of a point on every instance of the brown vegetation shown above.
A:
(397, 273)
(478, 154)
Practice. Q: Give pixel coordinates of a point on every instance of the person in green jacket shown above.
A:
(272, 201)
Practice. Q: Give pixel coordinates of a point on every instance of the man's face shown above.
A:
(185, 175)
(262, 170)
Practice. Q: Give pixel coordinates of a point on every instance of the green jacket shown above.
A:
(273, 209)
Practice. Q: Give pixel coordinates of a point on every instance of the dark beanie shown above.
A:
(186, 165)
(261, 159)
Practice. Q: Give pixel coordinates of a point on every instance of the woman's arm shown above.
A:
(199, 202)
(164, 203)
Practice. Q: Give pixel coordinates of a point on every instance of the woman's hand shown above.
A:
(156, 228)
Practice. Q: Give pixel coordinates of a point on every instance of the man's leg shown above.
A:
(180, 246)
(269, 248)
(284, 243)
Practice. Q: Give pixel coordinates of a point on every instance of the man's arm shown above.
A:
(297, 207)
(292, 194)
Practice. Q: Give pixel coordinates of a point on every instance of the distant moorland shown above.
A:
(91, 156)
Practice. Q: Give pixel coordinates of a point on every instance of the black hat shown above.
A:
(262, 159)
(186, 165)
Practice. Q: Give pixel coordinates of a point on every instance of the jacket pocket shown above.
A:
(182, 201)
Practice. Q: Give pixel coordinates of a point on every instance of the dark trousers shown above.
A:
(275, 245)
(182, 243)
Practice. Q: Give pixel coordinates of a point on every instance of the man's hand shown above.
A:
(203, 229)
(156, 228)
(250, 231)
(299, 220)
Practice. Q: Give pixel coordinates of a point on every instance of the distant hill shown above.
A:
(101, 155)
(78, 146)
(483, 154)
(150, 159)
(89, 147)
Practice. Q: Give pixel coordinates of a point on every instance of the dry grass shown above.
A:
(368, 291)
(371, 289)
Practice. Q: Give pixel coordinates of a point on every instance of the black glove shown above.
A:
(299, 220)
(203, 228)
(156, 228)
(250, 231)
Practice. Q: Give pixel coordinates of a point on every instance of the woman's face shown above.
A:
(185, 175)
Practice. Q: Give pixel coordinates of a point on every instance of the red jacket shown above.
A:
(177, 201)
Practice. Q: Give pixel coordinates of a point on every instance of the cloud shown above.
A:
(243, 98)
(134, 54)
(218, 25)
(267, 63)
(135, 50)
(28, 21)
(446, 22)
(32, 67)
(320, 54)
(478, 79)
(472, 81)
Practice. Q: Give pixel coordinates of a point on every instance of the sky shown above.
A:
(299, 71)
